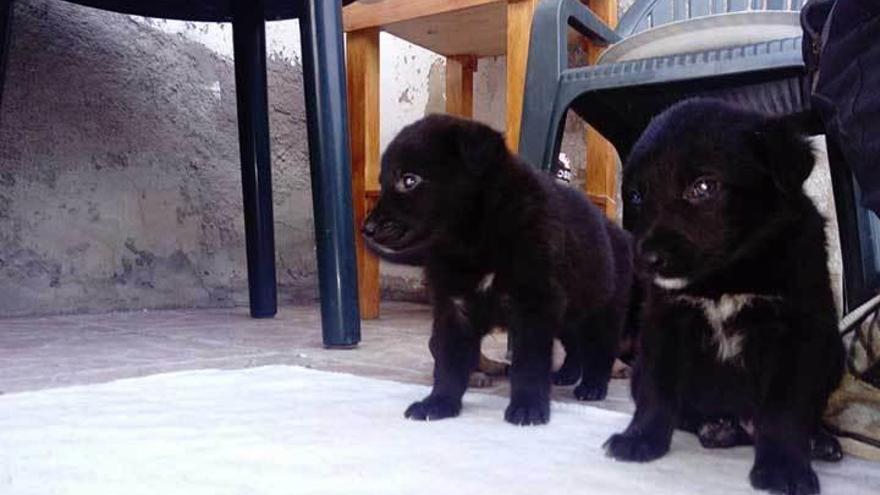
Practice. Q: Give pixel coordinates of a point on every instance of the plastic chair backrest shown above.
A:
(646, 14)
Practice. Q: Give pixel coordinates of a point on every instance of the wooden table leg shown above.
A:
(460, 85)
(601, 183)
(519, 28)
(363, 106)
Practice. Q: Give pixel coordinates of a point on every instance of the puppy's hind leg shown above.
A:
(722, 432)
(825, 447)
(599, 342)
(714, 432)
(455, 345)
(486, 370)
(600, 337)
(491, 367)
(570, 371)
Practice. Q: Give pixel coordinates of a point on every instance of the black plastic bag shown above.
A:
(842, 52)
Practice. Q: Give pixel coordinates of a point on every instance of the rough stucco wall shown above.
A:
(119, 159)
(490, 92)
(406, 87)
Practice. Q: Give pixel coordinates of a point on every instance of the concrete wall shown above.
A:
(119, 158)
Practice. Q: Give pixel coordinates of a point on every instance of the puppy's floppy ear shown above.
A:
(785, 152)
(479, 146)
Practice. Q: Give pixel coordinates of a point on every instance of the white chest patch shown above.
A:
(671, 283)
(460, 308)
(486, 283)
(719, 313)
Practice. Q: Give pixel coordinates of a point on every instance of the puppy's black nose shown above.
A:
(369, 228)
(653, 260)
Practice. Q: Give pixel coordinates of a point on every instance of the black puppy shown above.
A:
(739, 325)
(501, 244)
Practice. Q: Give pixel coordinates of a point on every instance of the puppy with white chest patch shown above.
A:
(502, 244)
(739, 338)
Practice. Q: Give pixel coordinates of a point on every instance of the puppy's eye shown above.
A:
(634, 197)
(702, 189)
(407, 182)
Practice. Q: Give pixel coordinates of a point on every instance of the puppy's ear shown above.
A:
(479, 146)
(785, 153)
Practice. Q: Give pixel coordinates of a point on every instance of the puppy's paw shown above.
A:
(493, 368)
(479, 379)
(722, 433)
(591, 391)
(528, 412)
(432, 408)
(635, 448)
(788, 478)
(566, 375)
(825, 447)
(621, 370)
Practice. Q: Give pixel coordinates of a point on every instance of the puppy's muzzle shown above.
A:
(386, 233)
(369, 228)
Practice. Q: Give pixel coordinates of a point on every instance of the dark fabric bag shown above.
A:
(842, 52)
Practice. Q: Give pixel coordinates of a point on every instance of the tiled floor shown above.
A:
(38, 353)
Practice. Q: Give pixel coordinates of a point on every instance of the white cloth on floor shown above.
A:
(290, 430)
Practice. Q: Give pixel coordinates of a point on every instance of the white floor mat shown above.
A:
(288, 430)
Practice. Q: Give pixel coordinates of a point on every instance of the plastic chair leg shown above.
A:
(249, 45)
(326, 107)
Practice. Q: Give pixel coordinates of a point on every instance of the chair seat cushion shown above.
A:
(195, 10)
(705, 33)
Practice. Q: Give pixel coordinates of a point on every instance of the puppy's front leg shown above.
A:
(789, 410)
(650, 432)
(656, 387)
(455, 345)
(531, 330)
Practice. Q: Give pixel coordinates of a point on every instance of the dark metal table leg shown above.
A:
(5, 28)
(249, 45)
(326, 106)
